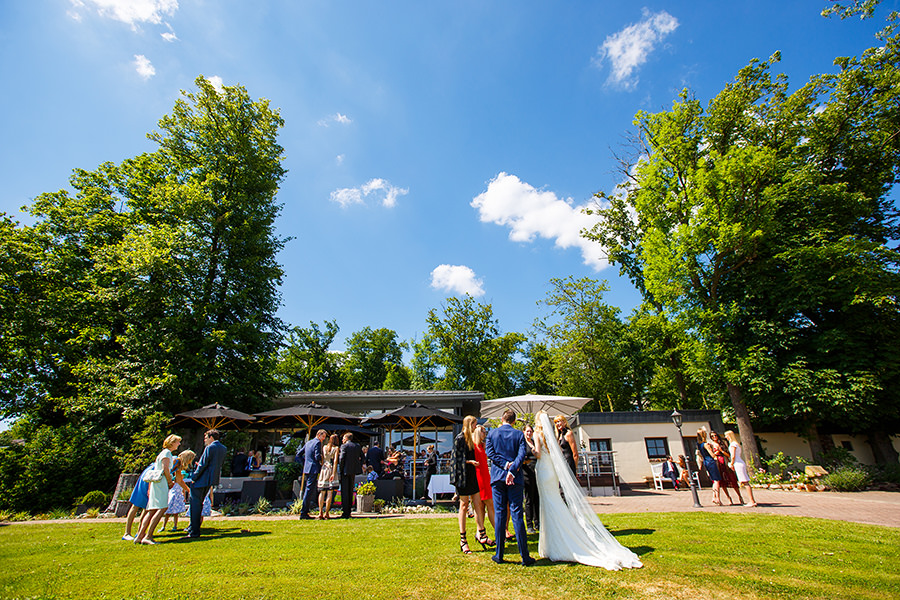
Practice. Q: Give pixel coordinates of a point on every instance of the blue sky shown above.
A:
(433, 148)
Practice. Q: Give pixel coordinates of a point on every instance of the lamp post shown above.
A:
(677, 419)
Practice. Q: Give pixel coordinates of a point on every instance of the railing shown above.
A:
(597, 464)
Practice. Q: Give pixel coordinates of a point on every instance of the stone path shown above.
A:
(876, 508)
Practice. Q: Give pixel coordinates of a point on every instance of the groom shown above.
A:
(206, 475)
(505, 448)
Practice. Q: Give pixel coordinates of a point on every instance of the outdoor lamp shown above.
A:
(677, 419)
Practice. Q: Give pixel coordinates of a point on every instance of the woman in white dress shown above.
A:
(739, 466)
(570, 529)
(328, 479)
(158, 499)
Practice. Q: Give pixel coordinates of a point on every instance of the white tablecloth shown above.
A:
(440, 484)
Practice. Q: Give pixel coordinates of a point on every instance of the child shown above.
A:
(183, 466)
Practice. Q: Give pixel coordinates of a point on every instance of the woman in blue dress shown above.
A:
(709, 463)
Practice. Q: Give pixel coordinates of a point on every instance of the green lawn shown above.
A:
(686, 555)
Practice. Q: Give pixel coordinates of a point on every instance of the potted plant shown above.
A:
(290, 449)
(365, 497)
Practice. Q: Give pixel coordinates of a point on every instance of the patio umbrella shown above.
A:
(305, 416)
(414, 416)
(413, 440)
(532, 403)
(212, 416)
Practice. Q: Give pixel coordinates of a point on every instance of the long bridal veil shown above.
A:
(585, 540)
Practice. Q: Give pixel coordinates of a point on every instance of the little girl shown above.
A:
(184, 464)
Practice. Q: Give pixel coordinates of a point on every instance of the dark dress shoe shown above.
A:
(499, 561)
(527, 562)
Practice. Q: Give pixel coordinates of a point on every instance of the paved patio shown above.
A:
(875, 508)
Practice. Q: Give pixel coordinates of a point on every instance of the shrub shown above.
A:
(295, 507)
(59, 513)
(836, 458)
(846, 479)
(286, 474)
(887, 473)
(146, 444)
(262, 506)
(125, 494)
(366, 489)
(55, 466)
(94, 498)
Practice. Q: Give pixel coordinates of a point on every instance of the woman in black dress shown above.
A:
(566, 440)
(464, 478)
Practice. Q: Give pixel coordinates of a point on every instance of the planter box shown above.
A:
(122, 507)
(365, 504)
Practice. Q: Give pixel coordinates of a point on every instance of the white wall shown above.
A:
(629, 447)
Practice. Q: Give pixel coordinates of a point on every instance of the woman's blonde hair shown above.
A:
(171, 439)
(186, 459)
(732, 437)
(479, 435)
(468, 428)
(561, 419)
(701, 435)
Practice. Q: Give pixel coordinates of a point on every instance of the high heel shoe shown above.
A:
(482, 538)
(464, 544)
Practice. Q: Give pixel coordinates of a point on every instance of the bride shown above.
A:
(570, 529)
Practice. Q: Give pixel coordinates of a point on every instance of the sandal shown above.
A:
(482, 538)
(464, 544)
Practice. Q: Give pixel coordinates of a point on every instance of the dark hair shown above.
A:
(509, 416)
(334, 439)
(213, 433)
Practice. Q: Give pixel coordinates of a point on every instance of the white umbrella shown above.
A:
(532, 403)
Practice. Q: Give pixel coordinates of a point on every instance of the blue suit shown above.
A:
(505, 449)
(206, 475)
(312, 464)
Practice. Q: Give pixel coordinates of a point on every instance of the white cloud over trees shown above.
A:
(457, 279)
(377, 188)
(531, 213)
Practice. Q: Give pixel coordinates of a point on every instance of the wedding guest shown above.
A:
(483, 474)
(239, 464)
(204, 478)
(375, 457)
(430, 464)
(138, 499)
(739, 466)
(707, 453)
(684, 478)
(671, 471)
(183, 466)
(371, 475)
(532, 498)
(722, 459)
(328, 476)
(463, 476)
(158, 493)
(566, 439)
(254, 460)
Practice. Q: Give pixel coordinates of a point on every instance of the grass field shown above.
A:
(686, 555)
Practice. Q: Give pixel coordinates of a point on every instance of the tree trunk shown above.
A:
(745, 427)
(882, 448)
(816, 447)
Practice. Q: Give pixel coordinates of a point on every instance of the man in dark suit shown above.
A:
(375, 458)
(349, 465)
(312, 464)
(206, 475)
(671, 471)
(505, 448)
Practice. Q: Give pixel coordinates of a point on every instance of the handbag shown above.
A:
(152, 475)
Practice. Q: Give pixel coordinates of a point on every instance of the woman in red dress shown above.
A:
(729, 479)
(483, 473)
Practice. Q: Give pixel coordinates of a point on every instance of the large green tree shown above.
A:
(762, 223)
(307, 363)
(463, 349)
(150, 285)
(370, 356)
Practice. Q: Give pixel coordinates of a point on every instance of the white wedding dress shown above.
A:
(570, 530)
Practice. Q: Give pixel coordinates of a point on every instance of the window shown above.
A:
(848, 445)
(657, 447)
(603, 445)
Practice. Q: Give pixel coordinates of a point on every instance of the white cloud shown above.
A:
(374, 187)
(217, 83)
(339, 159)
(132, 12)
(458, 279)
(628, 49)
(335, 118)
(143, 66)
(529, 212)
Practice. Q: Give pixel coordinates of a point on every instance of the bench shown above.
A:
(659, 480)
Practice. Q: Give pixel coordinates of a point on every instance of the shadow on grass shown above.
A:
(619, 532)
(213, 534)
